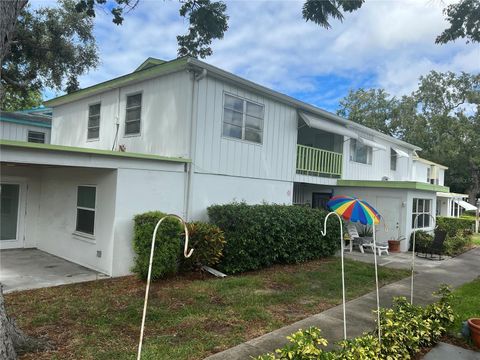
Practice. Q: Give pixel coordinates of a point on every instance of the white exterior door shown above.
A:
(11, 215)
(391, 210)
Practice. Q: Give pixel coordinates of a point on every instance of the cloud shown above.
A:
(386, 44)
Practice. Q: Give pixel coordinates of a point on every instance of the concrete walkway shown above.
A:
(443, 351)
(24, 269)
(455, 272)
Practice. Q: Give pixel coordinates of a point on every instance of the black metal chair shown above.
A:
(437, 246)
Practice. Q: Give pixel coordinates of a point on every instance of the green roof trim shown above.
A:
(28, 145)
(412, 185)
(149, 63)
(147, 73)
(25, 122)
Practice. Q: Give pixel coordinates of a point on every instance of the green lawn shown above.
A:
(187, 318)
(476, 239)
(466, 304)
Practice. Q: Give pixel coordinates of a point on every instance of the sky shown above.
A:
(386, 44)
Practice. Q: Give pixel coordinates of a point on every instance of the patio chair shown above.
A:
(355, 238)
(437, 247)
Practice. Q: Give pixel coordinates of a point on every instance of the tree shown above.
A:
(442, 117)
(20, 100)
(464, 19)
(50, 47)
(373, 108)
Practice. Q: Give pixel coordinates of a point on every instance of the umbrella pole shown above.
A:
(376, 284)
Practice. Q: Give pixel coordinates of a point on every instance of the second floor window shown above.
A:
(242, 119)
(133, 114)
(393, 160)
(36, 137)
(93, 131)
(360, 153)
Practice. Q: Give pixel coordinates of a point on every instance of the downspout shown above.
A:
(196, 77)
(117, 122)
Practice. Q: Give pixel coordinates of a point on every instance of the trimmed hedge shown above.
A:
(259, 236)
(167, 245)
(206, 240)
(453, 225)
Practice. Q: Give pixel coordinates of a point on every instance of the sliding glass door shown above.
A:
(9, 219)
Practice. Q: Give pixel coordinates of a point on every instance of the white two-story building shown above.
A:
(181, 135)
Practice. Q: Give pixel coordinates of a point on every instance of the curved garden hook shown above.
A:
(415, 224)
(186, 253)
(324, 232)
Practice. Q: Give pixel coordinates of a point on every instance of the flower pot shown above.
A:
(474, 325)
(394, 246)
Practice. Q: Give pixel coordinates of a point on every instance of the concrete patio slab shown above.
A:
(23, 269)
(429, 276)
(443, 351)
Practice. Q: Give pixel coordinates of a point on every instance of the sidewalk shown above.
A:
(455, 272)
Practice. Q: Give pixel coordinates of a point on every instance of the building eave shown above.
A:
(410, 185)
(73, 149)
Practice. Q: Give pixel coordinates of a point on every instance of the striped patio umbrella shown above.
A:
(355, 210)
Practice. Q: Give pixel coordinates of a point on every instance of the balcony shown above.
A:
(318, 162)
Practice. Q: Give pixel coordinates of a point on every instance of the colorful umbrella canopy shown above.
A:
(353, 209)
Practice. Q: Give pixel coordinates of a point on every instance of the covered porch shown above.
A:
(78, 204)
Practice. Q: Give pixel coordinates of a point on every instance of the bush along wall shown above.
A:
(207, 241)
(459, 234)
(453, 225)
(258, 236)
(405, 328)
(167, 245)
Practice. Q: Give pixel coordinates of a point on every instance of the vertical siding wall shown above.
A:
(19, 132)
(165, 118)
(273, 159)
(380, 166)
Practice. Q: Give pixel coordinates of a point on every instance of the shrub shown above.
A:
(453, 225)
(455, 245)
(259, 236)
(167, 245)
(423, 240)
(208, 241)
(405, 328)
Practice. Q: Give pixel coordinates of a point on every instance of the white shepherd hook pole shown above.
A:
(186, 253)
(324, 232)
(415, 224)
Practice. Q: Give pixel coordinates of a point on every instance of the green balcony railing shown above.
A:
(318, 162)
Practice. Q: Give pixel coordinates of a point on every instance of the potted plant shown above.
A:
(474, 325)
(394, 244)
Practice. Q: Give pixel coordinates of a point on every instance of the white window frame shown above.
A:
(35, 132)
(244, 117)
(99, 120)
(141, 113)
(393, 159)
(427, 214)
(79, 232)
(353, 152)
